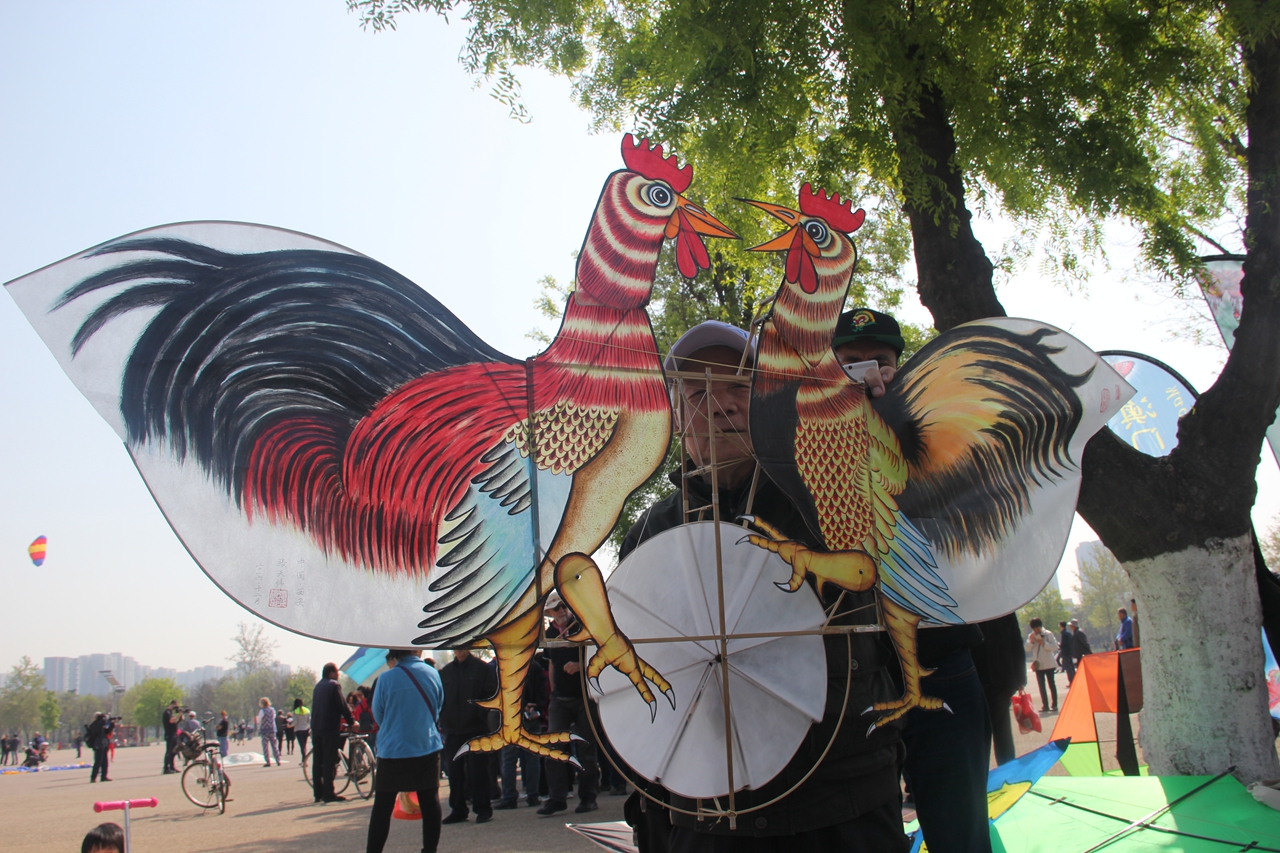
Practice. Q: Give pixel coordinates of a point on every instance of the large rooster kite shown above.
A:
(946, 491)
(338, 450)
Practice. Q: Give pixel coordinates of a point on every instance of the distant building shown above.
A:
(62, 674)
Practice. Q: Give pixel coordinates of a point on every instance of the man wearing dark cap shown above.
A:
(866, 335)
(852, 799)
(947, 753)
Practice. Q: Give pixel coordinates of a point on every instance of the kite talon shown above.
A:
(670, 693)
(575, 737)
(947, 708)
(868, 711)
(594, 681)
(653, 710)
(743, 539)
(871, 728)
(465, 748)
(576, 764)
(749, 519)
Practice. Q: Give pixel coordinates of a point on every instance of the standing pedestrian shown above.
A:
(76, 743)
(170, 719)
(406, 706)
(301, 726)
(288, 733)
(568, 708)
(99, 737)
(1066, 651)
(1079, 642)
(267, 729)
(224, 726)
(328, 710)
(465, 681)
(1124, 637)
(1042, 645)
(534, 703)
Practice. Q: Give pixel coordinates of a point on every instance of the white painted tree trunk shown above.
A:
(1204, 691)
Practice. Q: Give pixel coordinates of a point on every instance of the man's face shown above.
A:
(855, 351)
(559, 614)
(727, 406)
(461, 654)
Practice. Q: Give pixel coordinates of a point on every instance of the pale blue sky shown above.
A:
(120, 116)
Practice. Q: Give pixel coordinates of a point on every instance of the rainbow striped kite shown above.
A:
(37, 549)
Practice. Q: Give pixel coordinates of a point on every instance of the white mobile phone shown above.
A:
(857, 371)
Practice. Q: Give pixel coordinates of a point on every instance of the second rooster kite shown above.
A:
(952, 495)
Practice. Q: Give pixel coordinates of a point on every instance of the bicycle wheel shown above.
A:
(362, 767)
(199, 785)
(342, 774)
(221, 786)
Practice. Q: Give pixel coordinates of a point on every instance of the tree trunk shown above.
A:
(955, 276)
(1204, 694)
(1180, 524)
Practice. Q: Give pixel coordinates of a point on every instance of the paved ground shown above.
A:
(272, 811)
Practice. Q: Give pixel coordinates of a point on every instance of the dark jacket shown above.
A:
(1080, 644)
(1000, 659)
(170, 719)
(465, 683)
(859, 772)
(328, 708)
(99, 736)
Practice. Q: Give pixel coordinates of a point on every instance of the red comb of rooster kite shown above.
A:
(654, 165)
(836, 213)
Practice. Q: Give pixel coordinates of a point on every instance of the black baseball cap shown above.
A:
(866, 324)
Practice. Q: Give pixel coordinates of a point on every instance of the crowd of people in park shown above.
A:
(845, 787)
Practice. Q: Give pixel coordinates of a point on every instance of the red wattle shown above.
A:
(808, 275)
(684, 257)
(691, 252)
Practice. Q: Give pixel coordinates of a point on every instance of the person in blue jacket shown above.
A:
(1124, 637)
(406, 705)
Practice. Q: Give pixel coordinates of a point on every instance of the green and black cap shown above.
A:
(866, 324)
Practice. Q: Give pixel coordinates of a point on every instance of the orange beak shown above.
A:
(699, 220)
(784, 241)
(687, 225)
(795, 241)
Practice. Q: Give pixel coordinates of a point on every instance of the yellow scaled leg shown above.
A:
(514, 645)
(851, 570)
(902, 625)
(581, 586)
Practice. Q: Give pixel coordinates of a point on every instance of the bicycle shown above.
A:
(204, 781)
(356, 766)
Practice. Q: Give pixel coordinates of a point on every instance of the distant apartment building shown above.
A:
(195, 677)
(85, 675)
(61, 674)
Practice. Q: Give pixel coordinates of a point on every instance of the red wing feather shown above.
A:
(379, 500)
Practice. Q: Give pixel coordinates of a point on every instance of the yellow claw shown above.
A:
(851, 570)
(539, 744)
(581, 586)
(513, 645)
(902, 626)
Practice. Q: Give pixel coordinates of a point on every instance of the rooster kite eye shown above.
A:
(817, 231)
(659, 195)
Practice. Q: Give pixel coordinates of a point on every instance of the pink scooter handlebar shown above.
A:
(114, 805)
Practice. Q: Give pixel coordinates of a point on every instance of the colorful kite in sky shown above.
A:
(37, 550)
